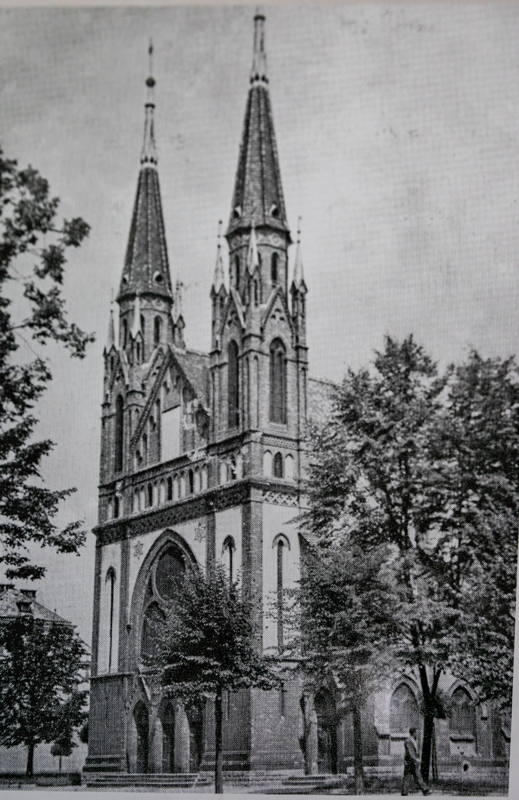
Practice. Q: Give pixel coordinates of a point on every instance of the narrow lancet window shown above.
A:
(119, 433)
(278, 382)
(233, 385)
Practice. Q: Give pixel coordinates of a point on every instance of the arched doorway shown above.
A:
(196, 738)
(167, 718)
(326, 732)
(141, 720)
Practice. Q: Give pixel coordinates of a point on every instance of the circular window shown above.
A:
(158, 277)
(170, 569)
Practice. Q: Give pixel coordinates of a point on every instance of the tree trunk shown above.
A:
(429, 697)
(218, 750)
(30, 759)
(428, 732)
(358, 755)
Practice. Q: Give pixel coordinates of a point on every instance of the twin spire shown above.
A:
(258, 194)
(146, 267)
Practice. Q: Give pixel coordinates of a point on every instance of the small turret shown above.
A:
(178, 316)
(110, 339)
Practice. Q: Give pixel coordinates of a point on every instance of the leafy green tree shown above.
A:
(62, 747)
(349, 622)
(40, 672)
(34, 247)
(424, 463)
(207, 644)
(479, 441)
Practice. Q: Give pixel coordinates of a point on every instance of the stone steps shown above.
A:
(182, 780)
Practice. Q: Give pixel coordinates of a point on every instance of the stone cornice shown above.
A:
(216, 499)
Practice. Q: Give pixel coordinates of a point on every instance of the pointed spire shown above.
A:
(219, 275)
(253, 255)
(299, 277)
(136, 323)
(146, 267)
(258, 73)
(258, 193)
(149, 149)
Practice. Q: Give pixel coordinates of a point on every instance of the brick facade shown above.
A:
(180, 473)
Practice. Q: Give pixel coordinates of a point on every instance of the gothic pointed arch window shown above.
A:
(150, 494)
(462, 720)
(237, 273)
(110, 583)
(153, 617)
(233, 385)
(169, 489)
(278, 382)
(281, 546)
(125, 332)
(143, 324)
(274, 269)
(228, 552)
(119, 433)
(157, 330)
(278, 465)
(163, 585)
(403, 710)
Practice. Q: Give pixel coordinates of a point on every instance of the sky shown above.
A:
(397, 130)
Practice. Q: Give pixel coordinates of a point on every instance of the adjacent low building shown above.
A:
(16, 602)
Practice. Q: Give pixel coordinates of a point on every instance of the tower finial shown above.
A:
(258, 74)
(110, 339)
(299, 277)
(219, 278)
(149, 150)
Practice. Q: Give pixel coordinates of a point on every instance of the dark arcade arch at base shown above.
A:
(326, 713)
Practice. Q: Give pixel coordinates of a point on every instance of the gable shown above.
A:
(276, 313)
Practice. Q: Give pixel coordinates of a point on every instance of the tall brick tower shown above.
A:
(201, 460)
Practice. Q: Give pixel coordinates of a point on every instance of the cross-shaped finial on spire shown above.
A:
(258, 72)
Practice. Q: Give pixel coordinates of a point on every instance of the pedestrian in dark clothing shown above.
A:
(412, 765)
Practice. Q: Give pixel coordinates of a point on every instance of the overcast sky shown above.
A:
(397, 129)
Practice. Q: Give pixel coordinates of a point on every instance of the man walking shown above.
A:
(412, 765)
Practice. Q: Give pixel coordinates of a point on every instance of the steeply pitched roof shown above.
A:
(13, 602)
(195, 366)
(319, 399)
(258, 193)
(146, 267)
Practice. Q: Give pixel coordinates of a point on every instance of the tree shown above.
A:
(348, 608)
(207, 644)
(40, 667)
(479, 525)
(411, 460)
(62, 747)
(33, 255)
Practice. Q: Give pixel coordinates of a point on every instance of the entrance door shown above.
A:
(140, 716)
(195, 720)
(326, 732)
(167, 717)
